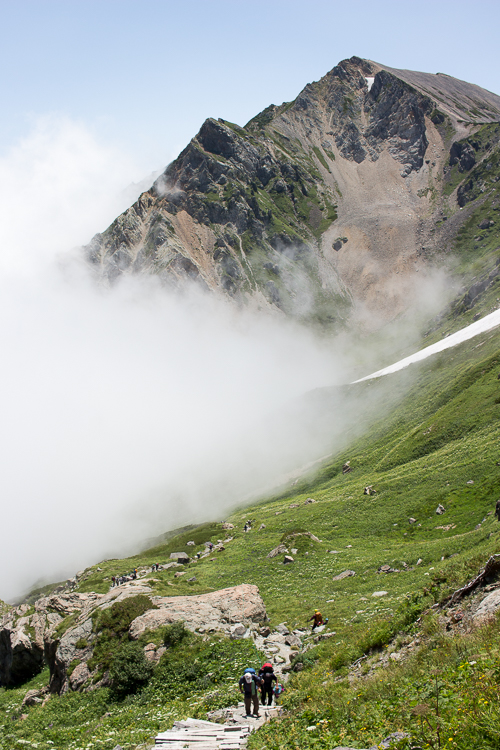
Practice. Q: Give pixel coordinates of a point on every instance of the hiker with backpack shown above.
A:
(318, 619)
(267, 677)
(249, 684)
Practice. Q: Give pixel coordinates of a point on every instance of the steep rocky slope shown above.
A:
(329, 208)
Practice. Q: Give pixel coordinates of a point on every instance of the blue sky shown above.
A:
(144, 75)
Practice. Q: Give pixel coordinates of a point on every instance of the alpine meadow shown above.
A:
(343, 231)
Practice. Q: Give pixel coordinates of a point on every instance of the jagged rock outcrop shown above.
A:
(31, 637)
(24, 630)
(324, 207)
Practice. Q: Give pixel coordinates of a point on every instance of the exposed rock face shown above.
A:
(27, 641)
(218, 610)
(23, 633)
(319, 207)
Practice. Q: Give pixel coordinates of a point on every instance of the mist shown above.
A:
(129, 411)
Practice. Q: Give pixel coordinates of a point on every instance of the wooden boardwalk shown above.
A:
(196, 734)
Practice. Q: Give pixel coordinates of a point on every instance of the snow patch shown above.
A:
(369, 82)
(480, 326)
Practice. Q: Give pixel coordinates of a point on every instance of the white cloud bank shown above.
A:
(128, 412)
(124, 412)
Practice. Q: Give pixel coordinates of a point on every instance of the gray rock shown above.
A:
(440, 510)
(486, 224)
(180, 557)
(282, 628)
(238, 631)
(281, 549)
(288, 559)
(293, 640)
(33, 697)
(217, 610)
(79, 676)
(488, 607)
(393, 739)
(345, 574)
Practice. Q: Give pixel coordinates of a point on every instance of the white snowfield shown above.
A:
(480, 326)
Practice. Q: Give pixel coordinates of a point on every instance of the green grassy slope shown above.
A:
(438, 446)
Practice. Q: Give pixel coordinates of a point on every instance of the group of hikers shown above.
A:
(251, 683)
(132, 576)
(117, 580)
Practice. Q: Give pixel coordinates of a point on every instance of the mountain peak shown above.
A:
(328, 208)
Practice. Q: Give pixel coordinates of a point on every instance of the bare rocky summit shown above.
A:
(325, 208)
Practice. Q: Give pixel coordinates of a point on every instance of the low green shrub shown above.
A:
(111, 626)
(130, 670)
(175, 633)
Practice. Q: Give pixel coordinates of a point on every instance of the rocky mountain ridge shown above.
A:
(328, 208)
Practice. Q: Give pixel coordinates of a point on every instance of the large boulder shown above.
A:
(218, 610)
(488, 607)
(180, 557)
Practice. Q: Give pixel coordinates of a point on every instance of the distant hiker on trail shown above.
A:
(210, 546)
(113, 578)
(247, 526)
(249, 684)
(318, 619)
(267, 676)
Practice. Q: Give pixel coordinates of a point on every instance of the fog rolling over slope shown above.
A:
(120, 408)
(130, 410)
(194, 353)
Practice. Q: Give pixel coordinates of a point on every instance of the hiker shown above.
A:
(249, 683)
(497, 510)
(113, 578)
(267, 676)
(318, 619)
(210, 546)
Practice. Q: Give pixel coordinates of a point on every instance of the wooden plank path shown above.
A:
(196, 734)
